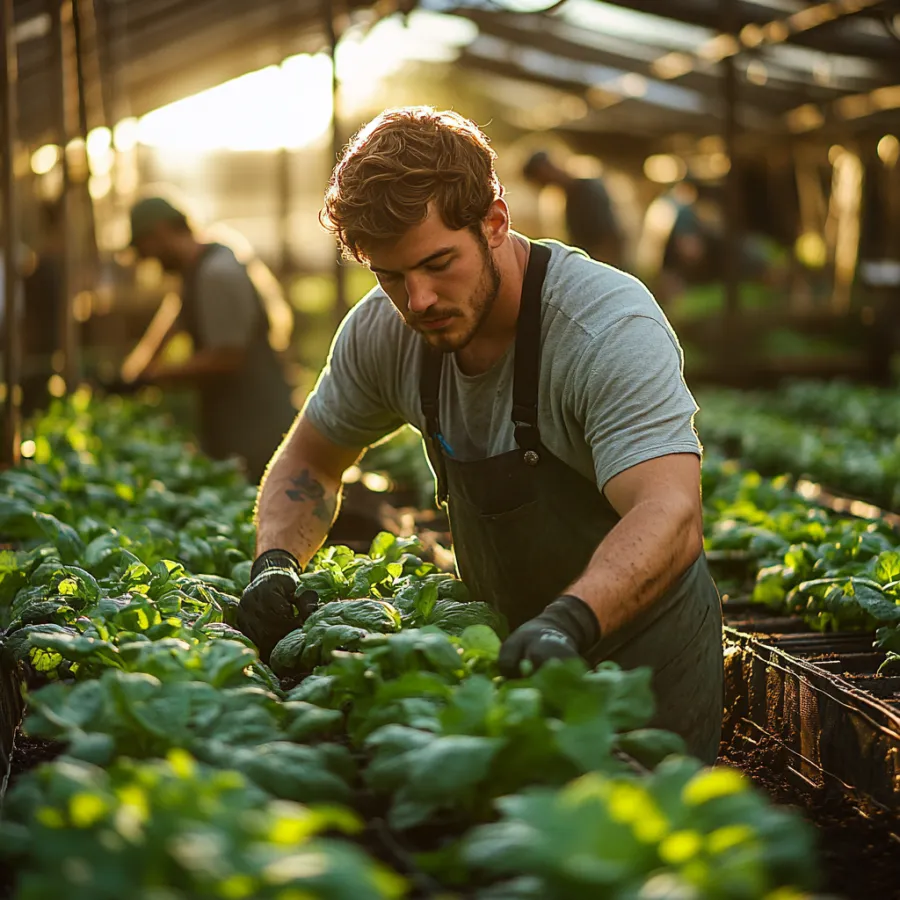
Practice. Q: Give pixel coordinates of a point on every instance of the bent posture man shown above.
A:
(591, 220)
(550, 391)
(245, 402)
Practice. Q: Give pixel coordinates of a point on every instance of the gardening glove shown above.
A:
(271, 606)
(567, 628)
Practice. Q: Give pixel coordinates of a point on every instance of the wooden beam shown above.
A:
(12, 285)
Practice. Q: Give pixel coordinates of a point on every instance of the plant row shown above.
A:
(845, 437)
(838, 573)
(399, 762)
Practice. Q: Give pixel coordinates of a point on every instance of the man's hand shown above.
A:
(270, 607)
(566, 628)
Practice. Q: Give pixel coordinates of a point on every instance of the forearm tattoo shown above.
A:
(307, 490)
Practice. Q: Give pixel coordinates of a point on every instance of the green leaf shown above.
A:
(455, 618)
(98, 749)
(78, 583)
(295, 772)
(305, 721)
(887, 567)
(875, 603)
(481, 642)
(382, 545)
(650, 746)
(62, 536)
(441, 774)
(426, 601)
(240, 574)
(324, 583)
(58, 710)
(17, 646)
(587, 743)
(287, 653)
(79, 649)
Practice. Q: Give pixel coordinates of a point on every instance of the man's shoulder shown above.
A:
(374, 310)
(590, 297)
(374, 323)
(217, 258)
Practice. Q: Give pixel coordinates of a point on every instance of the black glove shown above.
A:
(270, 607)
(566, 628)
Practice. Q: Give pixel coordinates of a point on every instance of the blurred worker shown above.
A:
(44, 292)
(245, 401)
(550, 391)
(694, 250)
(591, 221)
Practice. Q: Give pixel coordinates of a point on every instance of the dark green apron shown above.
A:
(244, 413)
(525, 525)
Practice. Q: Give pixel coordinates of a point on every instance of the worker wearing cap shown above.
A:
(549, 390)
(244, 400)
(591, 221)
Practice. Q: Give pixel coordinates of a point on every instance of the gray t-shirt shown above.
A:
(228, 309)
(611, 392)
(246, 412)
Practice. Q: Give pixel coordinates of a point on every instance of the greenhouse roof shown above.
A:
(801, 66)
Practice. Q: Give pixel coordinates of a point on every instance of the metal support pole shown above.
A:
(337, 146)
(68, 120)
(733, 212)
(283, 200)
(12, 344)
(83, 29)
(285, 262)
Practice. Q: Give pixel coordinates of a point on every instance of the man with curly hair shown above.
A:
(549, 390)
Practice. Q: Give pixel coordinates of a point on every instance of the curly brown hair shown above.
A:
(395, 167)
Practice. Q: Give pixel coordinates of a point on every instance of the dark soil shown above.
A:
(31, 752)
(859, 851)
(27, 754)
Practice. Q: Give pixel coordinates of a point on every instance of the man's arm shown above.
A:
(657, 539)
(152, 342)
(300, 493)
(203, 363)
(637, 415)
(227, 311)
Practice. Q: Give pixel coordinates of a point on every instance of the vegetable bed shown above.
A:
(841, 435)
(813, 697)
(392, 760)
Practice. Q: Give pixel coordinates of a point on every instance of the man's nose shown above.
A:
(421, 296)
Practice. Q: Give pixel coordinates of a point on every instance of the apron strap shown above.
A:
(528, 352)
(525, 378)
(429, 394)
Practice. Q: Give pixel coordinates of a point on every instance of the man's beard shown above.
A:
(479, 308)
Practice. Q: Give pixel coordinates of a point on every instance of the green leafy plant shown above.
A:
(681, 832)
(179, 830)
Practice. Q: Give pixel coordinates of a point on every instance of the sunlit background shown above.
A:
(617, 93)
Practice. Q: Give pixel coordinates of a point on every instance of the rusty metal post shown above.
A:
(12, 343)
(337, 145)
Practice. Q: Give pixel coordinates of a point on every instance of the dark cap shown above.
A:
(146, 214)
(535, 162)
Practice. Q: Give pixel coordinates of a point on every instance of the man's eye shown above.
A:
(440, 267)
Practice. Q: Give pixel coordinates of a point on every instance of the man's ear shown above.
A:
(496, 223)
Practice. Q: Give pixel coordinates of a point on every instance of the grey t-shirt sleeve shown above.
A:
(227, 305)
(633, 398)
(350, 404)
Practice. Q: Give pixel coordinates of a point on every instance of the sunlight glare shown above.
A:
(366, 58)
(44, 159)
(279, 106)
(125, 135)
